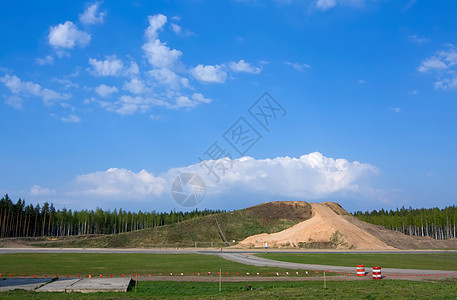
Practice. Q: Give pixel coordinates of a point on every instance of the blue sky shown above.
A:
(106, 103)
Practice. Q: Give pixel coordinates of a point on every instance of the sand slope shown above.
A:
(329, 225)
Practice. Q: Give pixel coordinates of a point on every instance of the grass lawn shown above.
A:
(268, 290)
(83, 264)
(432, 261)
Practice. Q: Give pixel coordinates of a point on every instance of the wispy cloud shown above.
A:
(21, 89)
(48, 60)
(71, 119)
(396, 110)
(244, 67)
(301, 67)
(443, 64)
(324, 5)
(92, 15)
(37, 190)
(111, 66)
(218, 73)
(104, 91)
(419, 40)
(178, 30)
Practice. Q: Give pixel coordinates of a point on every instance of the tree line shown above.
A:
(21, 220)
(434, 222)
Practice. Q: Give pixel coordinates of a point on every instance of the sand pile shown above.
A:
(329, 227)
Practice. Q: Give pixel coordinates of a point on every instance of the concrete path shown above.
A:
(59, 285)
(87, 285)
(83, 285)
(28, 284)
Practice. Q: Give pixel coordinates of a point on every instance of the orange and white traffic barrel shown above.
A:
(377, 273)
(360, 270)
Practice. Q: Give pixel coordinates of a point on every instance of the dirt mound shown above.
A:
(281, 210)
(326, 228)
(336, 208)
(332, 227)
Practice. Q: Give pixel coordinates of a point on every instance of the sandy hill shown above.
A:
(332, 227)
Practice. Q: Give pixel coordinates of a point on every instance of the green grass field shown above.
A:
(380, 289)
(432, 261)
(83, 264)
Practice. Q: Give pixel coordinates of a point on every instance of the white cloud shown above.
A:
(177, 29)
(48, 60)
(156, 23)
(37, 190)
(209, 73)
(71, 119)
(17, 86)
(128, 105)
(325, 4)
(104, 90)
(413, 92)
(111, 66)
(121, 183)
(309, 177)
(164, 84)
(443, 64)
(441, 60)
(91, 15)
(328, 4)
(243, 66)
(301, 67)
(13, 101)
(164, 76)
(67, 35)
(155, 117)
(27, 89)
(432, 63)
(159, 55)
(447, 83)
(135, 86)
(66, 83)
(218, 73)
(133, 69)
(194, 100)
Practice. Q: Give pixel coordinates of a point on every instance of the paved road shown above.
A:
(263, 262)
(247, 257)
